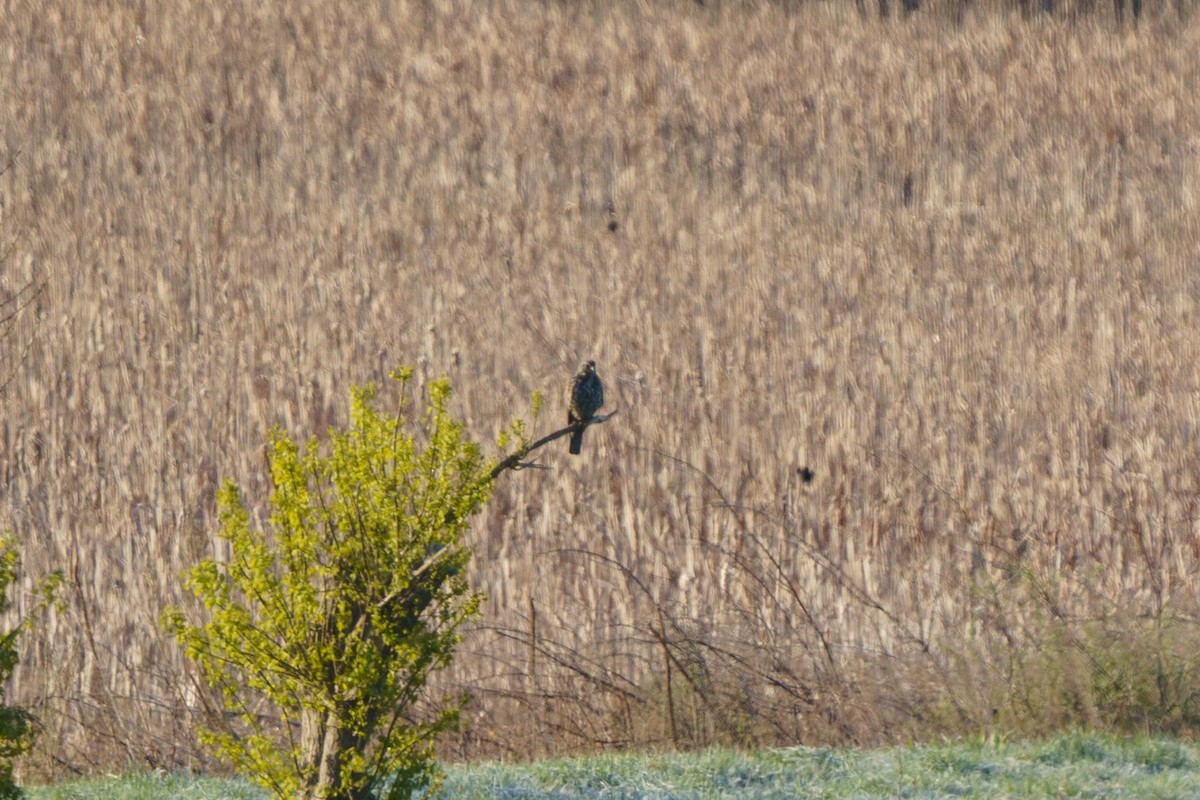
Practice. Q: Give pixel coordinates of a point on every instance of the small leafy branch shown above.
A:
(17, 726)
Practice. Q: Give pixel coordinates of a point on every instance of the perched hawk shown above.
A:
(585, 395)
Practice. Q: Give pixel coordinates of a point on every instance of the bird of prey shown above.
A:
(585, 395)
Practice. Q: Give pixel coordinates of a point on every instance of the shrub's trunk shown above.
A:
(323, 742)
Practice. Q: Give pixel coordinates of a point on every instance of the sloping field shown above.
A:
(953, 270)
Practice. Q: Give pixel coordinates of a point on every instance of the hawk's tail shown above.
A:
(576, 442)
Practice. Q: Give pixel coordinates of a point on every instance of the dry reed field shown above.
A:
(948, 263)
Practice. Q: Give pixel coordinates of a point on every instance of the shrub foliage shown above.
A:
(16, 724)
(336, 612)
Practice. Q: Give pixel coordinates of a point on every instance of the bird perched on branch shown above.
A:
(585, 395)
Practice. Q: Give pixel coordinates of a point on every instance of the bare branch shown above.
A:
(515, 461)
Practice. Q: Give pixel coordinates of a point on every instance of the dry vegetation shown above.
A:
(953, 268)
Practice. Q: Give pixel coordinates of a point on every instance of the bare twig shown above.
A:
(516, 460)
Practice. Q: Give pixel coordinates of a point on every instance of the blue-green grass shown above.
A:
(1070, 765)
